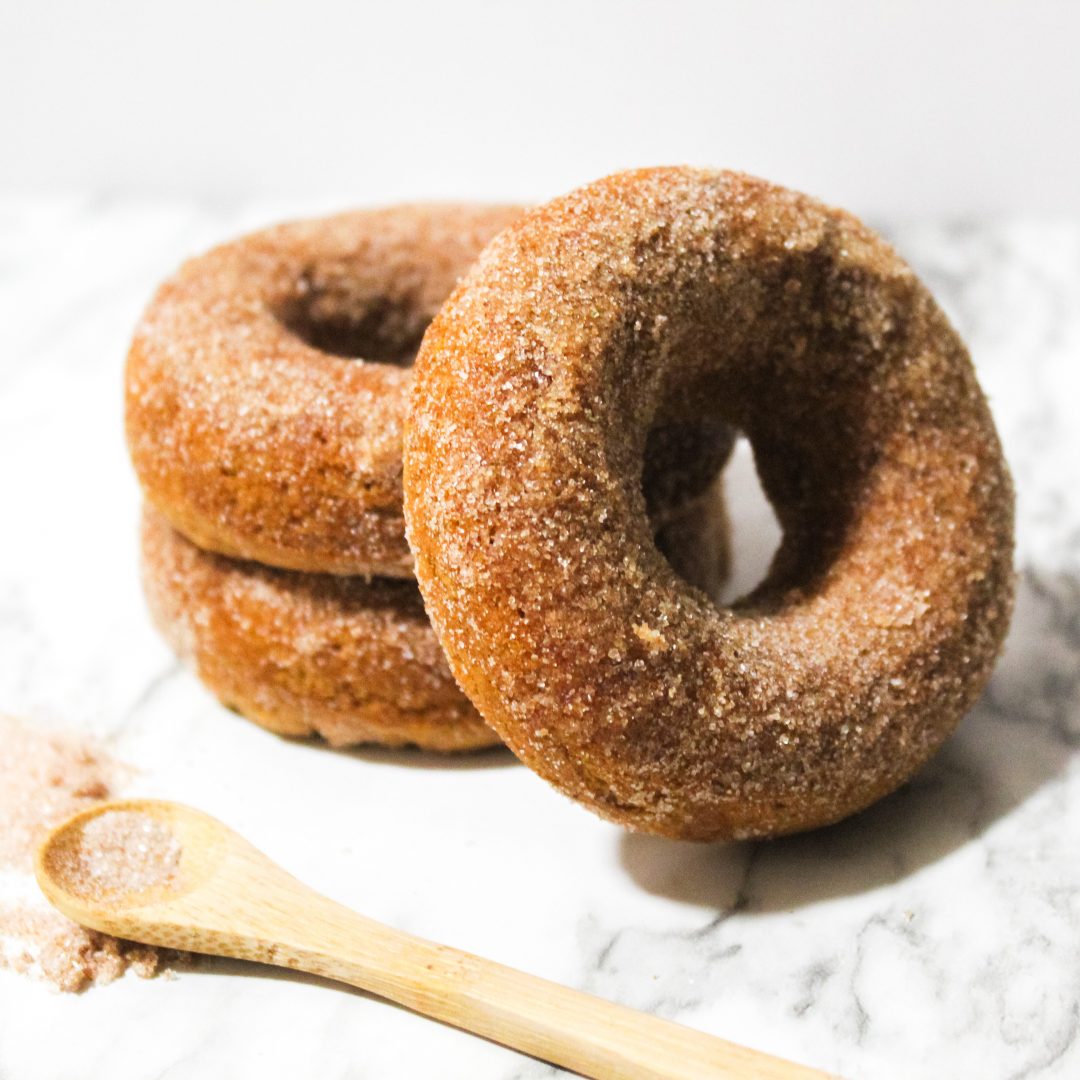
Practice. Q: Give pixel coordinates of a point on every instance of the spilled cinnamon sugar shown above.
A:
(44, 778)
(120, 853)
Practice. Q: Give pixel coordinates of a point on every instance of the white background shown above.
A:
(902, 110)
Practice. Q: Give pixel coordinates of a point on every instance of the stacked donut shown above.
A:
(265, 396)
(555, 445)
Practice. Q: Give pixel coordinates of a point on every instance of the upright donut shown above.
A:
(697, 293)
(265, 383)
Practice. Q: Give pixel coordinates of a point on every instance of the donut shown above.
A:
(348, 659)
(693, 292)
(257, 432)
(251, 422)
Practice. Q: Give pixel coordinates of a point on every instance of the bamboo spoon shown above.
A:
(229, 899)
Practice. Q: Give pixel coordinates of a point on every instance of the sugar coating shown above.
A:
(252, 421)
(691, 293)
(351, 660)
(45, 777)
(118, 854)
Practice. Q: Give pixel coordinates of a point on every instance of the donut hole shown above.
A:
(379, 329)
(681, 483)
(722, 535)
(755, 532)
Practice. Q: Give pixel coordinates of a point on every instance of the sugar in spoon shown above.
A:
(226, 898)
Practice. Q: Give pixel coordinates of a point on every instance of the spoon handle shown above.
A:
(231, 900)
(586, 1034)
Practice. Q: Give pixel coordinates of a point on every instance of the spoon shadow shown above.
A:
(207, 964)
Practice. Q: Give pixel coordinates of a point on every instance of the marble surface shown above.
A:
(937, 934)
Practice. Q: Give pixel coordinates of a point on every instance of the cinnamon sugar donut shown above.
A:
(257, 432)
(583, 326)
(252, 425)
(351, 660)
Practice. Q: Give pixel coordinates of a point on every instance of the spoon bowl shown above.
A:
(203, 842)
(226, 898)
(222, 899)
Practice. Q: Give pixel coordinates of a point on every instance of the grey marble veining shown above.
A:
(936, 934)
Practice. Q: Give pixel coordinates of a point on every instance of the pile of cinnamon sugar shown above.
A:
(44, 778)
(120, 853)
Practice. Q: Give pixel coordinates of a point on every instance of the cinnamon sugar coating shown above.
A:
(351, 660)
(117, 853)
(689, 293)
(253, 424)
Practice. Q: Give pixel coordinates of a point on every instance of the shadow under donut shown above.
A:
(412, 757)
(1018, 738)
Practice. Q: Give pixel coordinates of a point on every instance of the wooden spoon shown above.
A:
(229, 899)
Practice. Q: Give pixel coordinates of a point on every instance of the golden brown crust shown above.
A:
(683, 292)
(351, 660)
(251, 425)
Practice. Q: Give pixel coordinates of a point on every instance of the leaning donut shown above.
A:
(351, 660)
(265, 383)
(696, 293)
